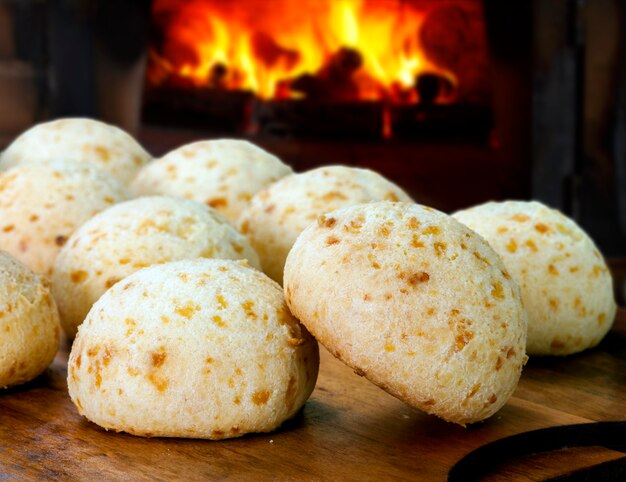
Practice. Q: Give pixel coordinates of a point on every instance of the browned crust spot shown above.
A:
(159, 383)
(440, 248)
(260, 397)
(384, 231)
(332, 240)
(107, 355)
(474, 390)
(413, 223)
(511, 246)
(221, 302)
(434, 230)
(110, 282)
(187, 310)
(557, 344)
(78, 276)
(217, 202)
(102, 152)
(531, 244)
(554, 304)
(247, 308)
(597, 270)
(325, 222)
(329, 196)
(478, 256)
(158, 358)
(417, 278)
(497, 291)
(415, 242)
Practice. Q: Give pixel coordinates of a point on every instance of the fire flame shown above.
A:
(345, 49)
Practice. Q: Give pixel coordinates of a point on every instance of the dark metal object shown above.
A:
(479, 462)
(612, 471)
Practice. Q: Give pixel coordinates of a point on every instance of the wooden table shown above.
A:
(348, 430)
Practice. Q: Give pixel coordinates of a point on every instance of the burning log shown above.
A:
(335, 81)
(342, 65)
(430, 87)
(217, 77)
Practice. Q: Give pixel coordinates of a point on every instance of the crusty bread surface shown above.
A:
(223, 174)
(29, 323)
(414, 301)
(277, 215)
(199, 348)
(41, 205)
(79, 140)
(565, 283)
(133, 235)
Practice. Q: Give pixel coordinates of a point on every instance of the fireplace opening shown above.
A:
(469, 101)
(375, 69)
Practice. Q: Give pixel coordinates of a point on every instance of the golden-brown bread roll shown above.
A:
(133, 235)
(223, 174)
(566, 286)
(80, 140)
(414, 301)
(199, 348)
(29, 323)
(42, 204)
(276, 216)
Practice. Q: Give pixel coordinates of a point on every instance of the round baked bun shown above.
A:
(29, 323)
(42, 204)
(416, 302)
(200, 348)
(223, 174)
(79, 140)
(566, 286)
(276, 216)
(133, 235)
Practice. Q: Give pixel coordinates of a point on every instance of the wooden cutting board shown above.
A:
(348, 430)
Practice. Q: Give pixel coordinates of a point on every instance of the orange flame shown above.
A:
(361, 49)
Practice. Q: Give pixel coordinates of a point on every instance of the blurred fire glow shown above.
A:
(344, 50)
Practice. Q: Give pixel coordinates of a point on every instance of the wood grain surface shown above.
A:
(348, 430)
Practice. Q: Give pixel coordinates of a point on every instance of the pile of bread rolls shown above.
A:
(168, 272)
